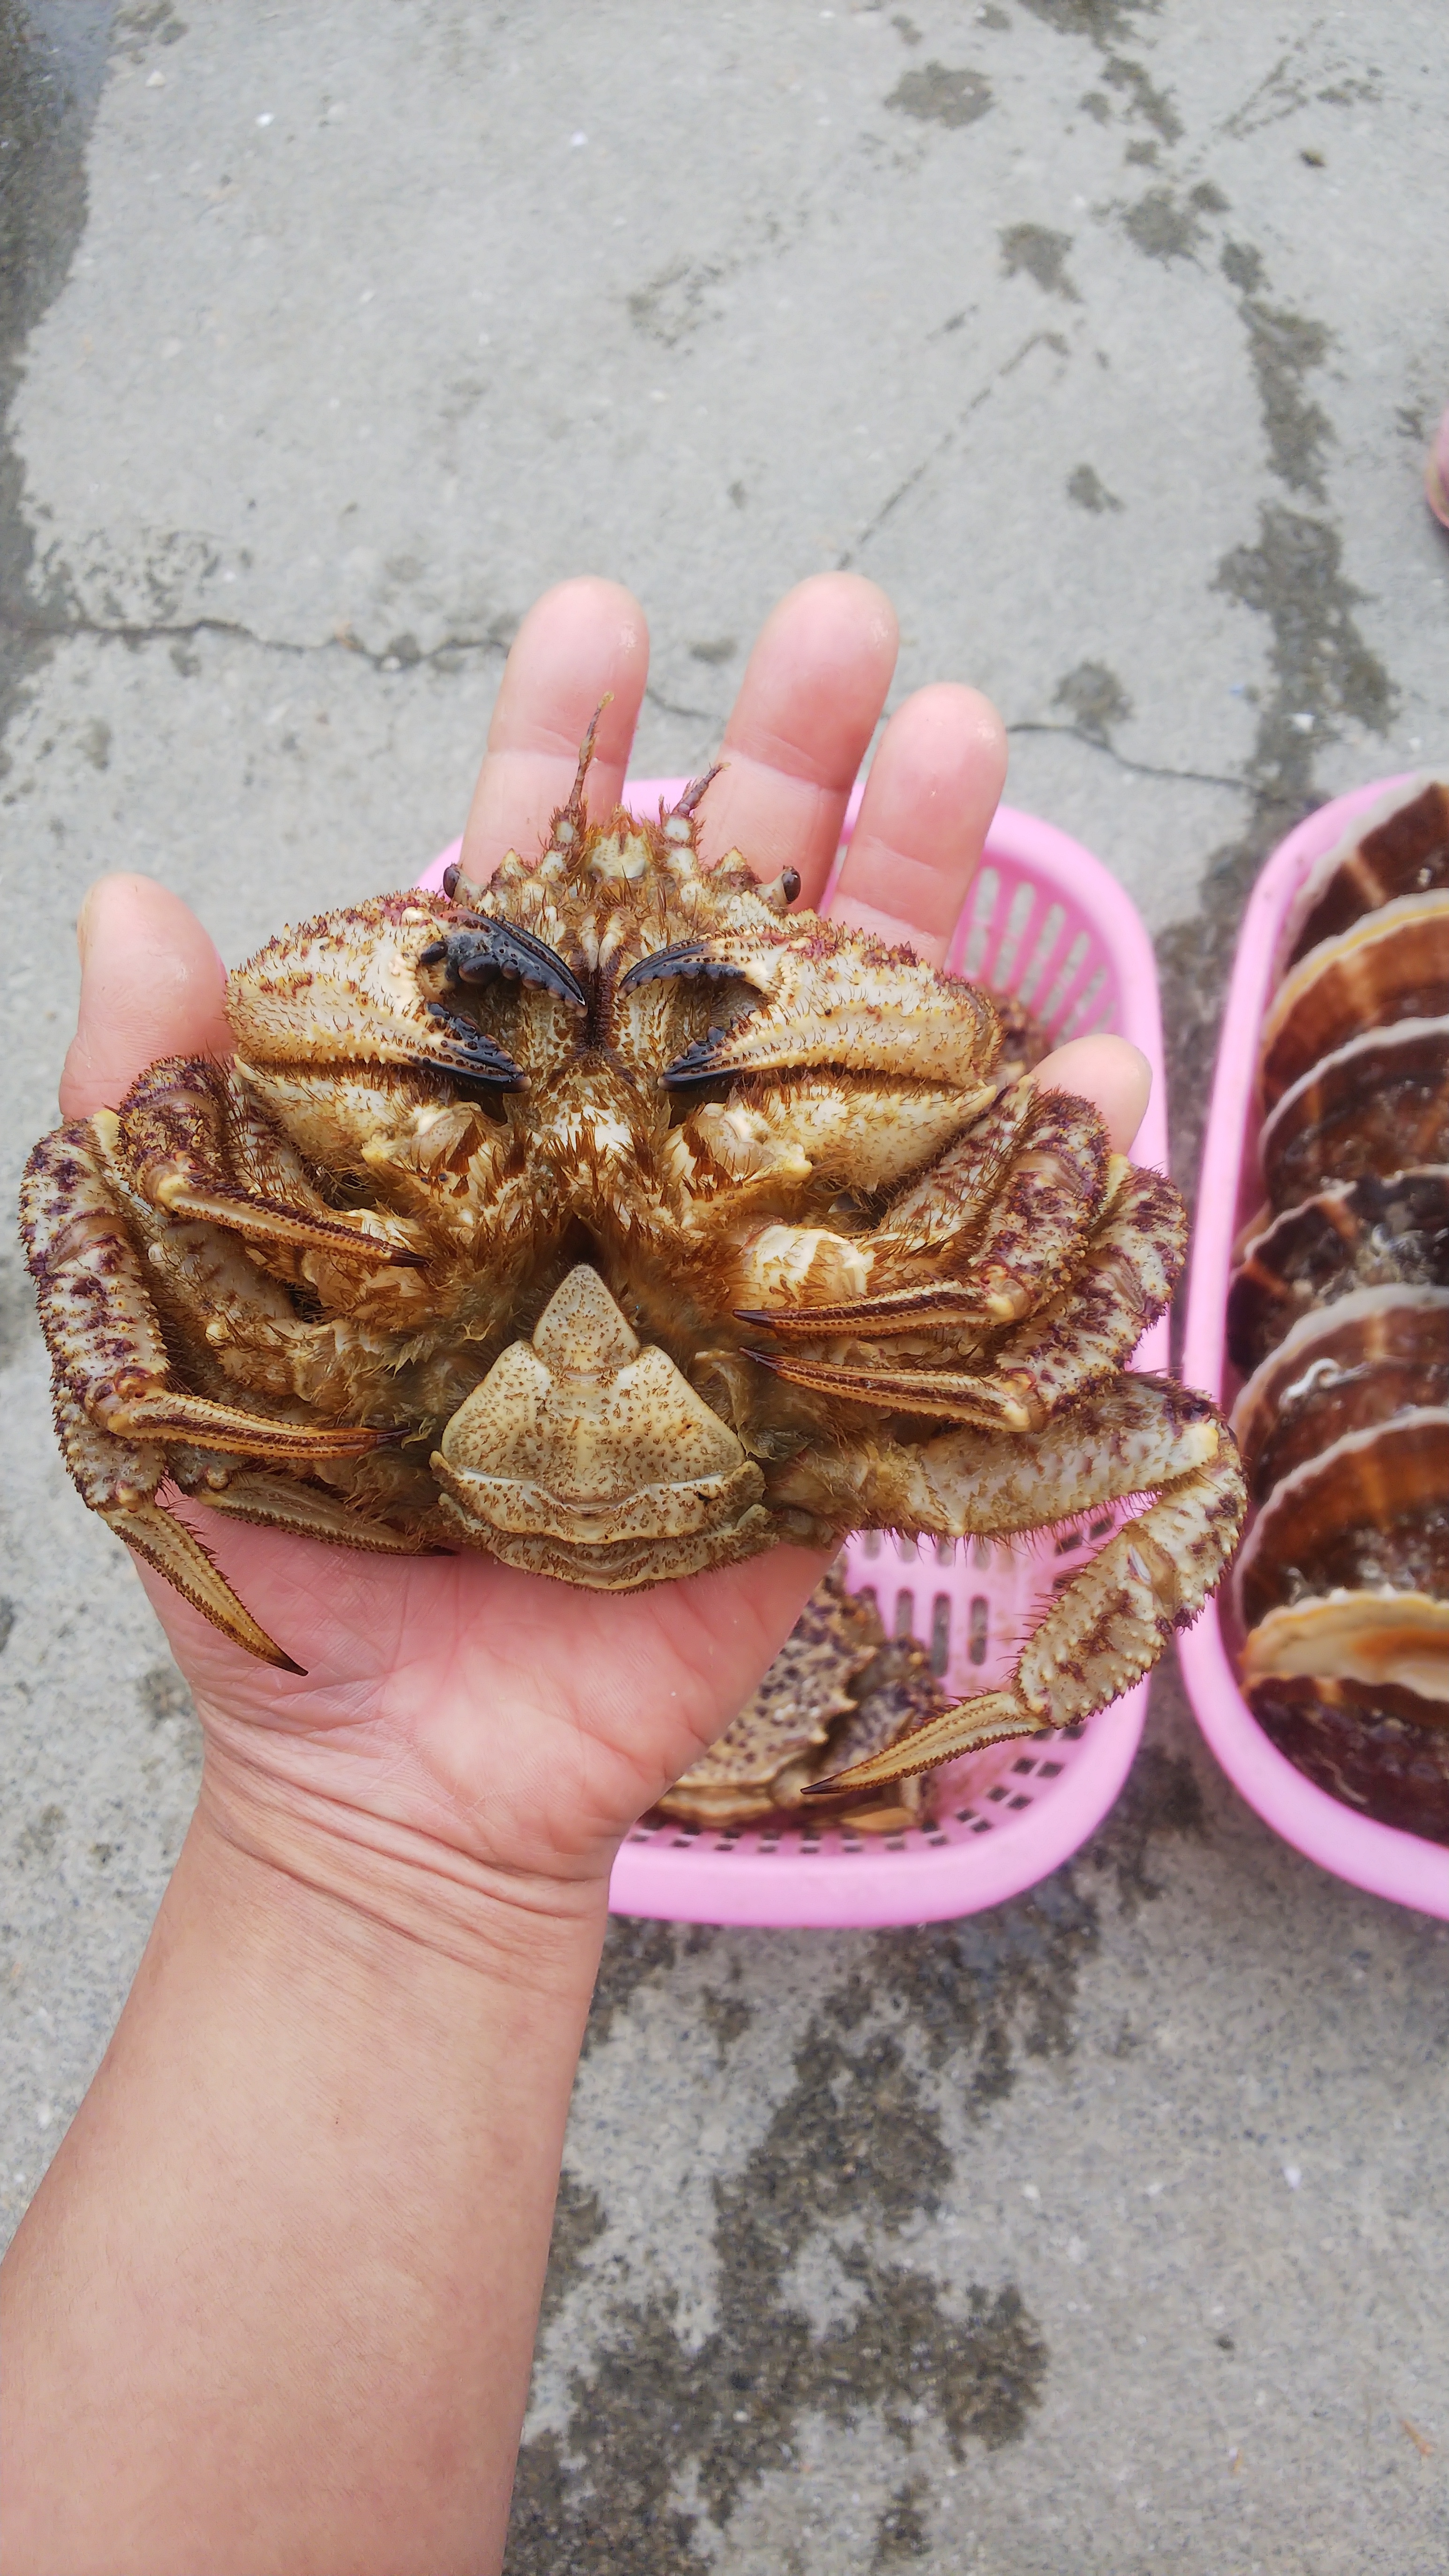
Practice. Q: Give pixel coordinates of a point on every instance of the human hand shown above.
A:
(500, 1729)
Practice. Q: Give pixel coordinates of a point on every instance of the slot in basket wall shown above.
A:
(1046, 920)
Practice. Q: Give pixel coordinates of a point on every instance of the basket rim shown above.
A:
(1382, 1859)
(877, 1889)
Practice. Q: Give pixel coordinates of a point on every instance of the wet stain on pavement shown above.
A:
(52, 64)
(940, 96)
(1086, 488)
(1042, 254)
(853, 2154)
(1094, 696)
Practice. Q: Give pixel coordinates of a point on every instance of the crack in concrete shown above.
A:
(1140, 768)
(55, 629)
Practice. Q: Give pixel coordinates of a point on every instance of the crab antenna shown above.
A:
(694, 791)
(573, 812)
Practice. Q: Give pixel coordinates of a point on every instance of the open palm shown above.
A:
(514, 1725)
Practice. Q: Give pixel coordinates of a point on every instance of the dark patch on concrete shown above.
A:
(1043, 255)
(989, 1989)
(52, 63)
(906, 28)
(729, 2017)
(1154, 106)
(95, 742)
(1102, 20)
(634, 1951)
(17, 1307)
(1161, 227)
(1086, 488)
(7, 1623)
(717, 649)
(1142, 155)
(994, 18)
(675, 301)
(36, 1841)
(855, 2138)
(164, 1696)
(901, 2533)
(1098, 107)
(1242, 266)
(144, 23)
(1161, 1798)
(578, 2223)
(1095, 699)
(1283, 347)
(939, 95)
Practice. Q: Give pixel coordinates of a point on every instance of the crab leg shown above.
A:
(1101, 1634)
(274, 1502)
(1120, 1287)
(171, 1135)
(102, 1328)
(119, 1482)
(1134, 1437)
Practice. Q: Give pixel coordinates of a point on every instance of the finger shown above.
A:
(1110, 1072)
(934, 785)
(808, 704)
(152, 984)
(582, 642)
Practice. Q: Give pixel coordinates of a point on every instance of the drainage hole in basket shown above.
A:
(978, 1622)
(1101, 1529)
(982, 1825)
(1067, 973)
(1025, 1764)
(870, 1544)
(1072, 1539)
(965, 1815)
(868, 1594)
(1019, 1801)
(940, 1632)
(1051, 1770)
(996, 1795)
(940, 1840)
(981, 1551)
(1073, 1734)
(945, 1551)
(905, 1614)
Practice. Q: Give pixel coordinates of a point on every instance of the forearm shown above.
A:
(273, 2307)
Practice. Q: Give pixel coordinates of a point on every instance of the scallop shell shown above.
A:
(1371, 1510)
(1391, 965)
(1400, 846)
(1379, 1104)
(1389, 1648)
(1386, 1766)
(1375, 1353)
(1368, 1233)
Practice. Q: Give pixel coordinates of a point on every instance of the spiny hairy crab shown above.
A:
(618, 1222)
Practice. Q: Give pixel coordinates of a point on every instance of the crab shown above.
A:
(617, 1221)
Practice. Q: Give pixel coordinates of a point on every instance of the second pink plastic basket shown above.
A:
(1370, 1855)
(1047, 921)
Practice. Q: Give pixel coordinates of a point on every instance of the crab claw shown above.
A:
(483, 949)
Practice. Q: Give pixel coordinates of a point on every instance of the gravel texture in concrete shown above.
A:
(1102, 2231)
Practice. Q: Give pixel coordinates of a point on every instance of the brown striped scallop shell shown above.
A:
(1391, 965)
(1388, 1764)
(1369, 1233)
(1401, 846)
(1370, 1511)
(1375, 1353)
(1378, 1104)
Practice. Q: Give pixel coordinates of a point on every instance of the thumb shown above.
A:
(152, 985)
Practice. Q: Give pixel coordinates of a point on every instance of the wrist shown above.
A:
(356, 1885)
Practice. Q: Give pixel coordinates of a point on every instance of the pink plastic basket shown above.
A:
(1045, 920)
(1374, 1856)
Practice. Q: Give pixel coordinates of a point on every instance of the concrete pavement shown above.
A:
(1103, 2231)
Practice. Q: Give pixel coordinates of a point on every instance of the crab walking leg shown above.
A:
(102, 1328)
(119, 1481)
(1105, 1631)
(1121, 1285)
(1044, 1201)
(273, 1502)
(1134, 1437)
(171, 1132)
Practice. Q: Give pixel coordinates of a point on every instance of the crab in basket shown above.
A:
(617, 1221)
